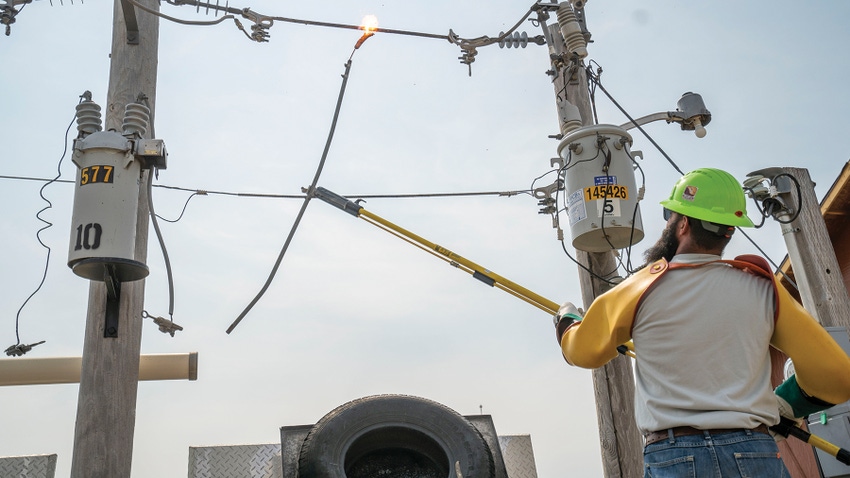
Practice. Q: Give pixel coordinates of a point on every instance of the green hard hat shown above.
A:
(711, 195)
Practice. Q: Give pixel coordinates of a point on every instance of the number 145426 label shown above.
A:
(606, 191)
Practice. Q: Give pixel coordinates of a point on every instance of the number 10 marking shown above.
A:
(84, 239)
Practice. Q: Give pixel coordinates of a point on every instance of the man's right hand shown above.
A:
(567, 315)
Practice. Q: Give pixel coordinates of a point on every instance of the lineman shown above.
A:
(702, 328)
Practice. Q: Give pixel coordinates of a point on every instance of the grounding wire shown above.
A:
(309, 195)
(47, 225)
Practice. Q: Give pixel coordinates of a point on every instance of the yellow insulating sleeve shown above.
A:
(824, 445)
(821, 365)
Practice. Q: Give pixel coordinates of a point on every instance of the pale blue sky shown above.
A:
(354, 311)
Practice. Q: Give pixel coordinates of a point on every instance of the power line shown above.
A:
(263, 23)
(210, 192)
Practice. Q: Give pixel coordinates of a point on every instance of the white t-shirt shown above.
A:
(703, 334)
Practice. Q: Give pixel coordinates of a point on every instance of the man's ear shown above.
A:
(683, 226)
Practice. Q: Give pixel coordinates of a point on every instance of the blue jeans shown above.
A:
(743, 454)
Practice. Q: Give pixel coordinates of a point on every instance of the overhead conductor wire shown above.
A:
(309, 191)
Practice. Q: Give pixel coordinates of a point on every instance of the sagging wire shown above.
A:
(20, 349)
(185, 205)
(259, 37)
(168, 325)
(630, 269)
(601, 277)
(762, 212)
(309, 192)
(166, 258)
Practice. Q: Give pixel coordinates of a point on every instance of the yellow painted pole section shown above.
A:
(55, 370)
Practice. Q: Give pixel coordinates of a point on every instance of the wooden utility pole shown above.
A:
(817, 275)
(812, 256)
(106, 408)
(614, 389)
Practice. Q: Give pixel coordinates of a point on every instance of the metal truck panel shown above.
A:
(34, 466)
(518, 455)
(235, 461)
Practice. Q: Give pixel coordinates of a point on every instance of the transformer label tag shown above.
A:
(99, 173)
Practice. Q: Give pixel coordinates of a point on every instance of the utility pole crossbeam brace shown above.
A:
(130, 22)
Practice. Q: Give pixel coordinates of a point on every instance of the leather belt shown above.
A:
(657, 436)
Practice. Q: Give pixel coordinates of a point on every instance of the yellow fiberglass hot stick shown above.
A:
(484, 275)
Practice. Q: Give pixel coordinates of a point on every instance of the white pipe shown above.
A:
(52, 370)
(648, 119)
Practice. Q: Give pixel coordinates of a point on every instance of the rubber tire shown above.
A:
(416, 425)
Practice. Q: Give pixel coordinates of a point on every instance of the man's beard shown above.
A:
(664, 248)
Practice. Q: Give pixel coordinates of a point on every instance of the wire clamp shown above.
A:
(261, 25)
(166, 326)
(20, 349)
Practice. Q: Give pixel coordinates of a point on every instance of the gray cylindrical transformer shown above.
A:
(106, 199)
(602, 199)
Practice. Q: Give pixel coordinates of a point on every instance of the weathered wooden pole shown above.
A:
(106, 408)
(620, 440)
(816, 269)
